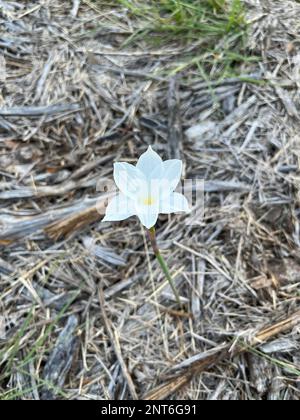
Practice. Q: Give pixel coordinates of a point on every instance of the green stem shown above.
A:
(162, 263)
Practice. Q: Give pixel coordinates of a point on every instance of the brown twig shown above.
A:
(173, 385)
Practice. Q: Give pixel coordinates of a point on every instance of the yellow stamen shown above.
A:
(149, 201)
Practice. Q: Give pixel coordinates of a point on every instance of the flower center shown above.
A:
(149, 201)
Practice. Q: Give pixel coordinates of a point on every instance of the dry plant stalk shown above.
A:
(113, 335)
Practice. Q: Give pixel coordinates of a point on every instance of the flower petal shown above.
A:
(119, 208)
(172, 173)
(148, 215)
(128, 178)
(151, 164)
(174, 203)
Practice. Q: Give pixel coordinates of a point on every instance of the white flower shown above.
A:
(146, 190)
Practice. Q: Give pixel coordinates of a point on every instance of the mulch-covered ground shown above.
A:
(85, 311)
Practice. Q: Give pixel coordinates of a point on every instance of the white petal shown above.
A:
(151, 164)
(148, 215)
(172, 173)
(174, 203)
(119, 208)
(128, 178)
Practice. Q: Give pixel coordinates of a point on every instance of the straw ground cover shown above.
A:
(85, 311)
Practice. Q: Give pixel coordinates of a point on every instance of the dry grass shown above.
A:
(85, 311)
